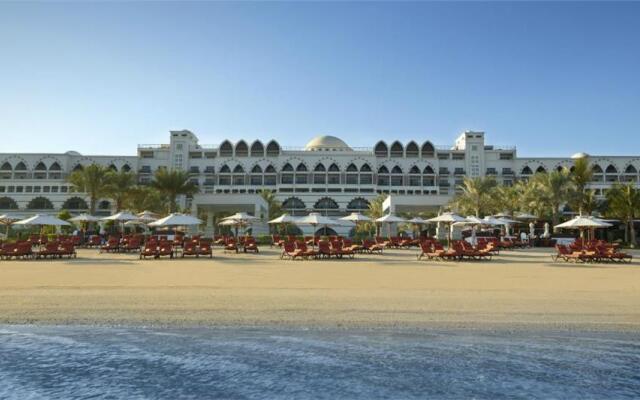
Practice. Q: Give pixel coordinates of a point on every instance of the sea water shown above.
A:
(79, 362)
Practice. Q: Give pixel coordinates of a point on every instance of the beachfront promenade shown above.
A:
(520, 288)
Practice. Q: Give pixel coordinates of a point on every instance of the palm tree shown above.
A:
(374, 212)
(173, 183)
(275, 207)
(92, 180)
(581, 174)
(141, 198)
(477, 195)
(624, 203)
(509, 198)
(551, 190)
(119, 187)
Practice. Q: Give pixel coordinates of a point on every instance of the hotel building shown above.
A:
(327, 175)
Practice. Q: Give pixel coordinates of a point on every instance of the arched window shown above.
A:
(383, 176)
(242, 150)
(270, 176)
(224, 176)
(526, 171)
(414, 176)
(326, 203)
(75, 203)
(78, 167)
(381, 150)
(5, 171)
(352, 174)
(40, 171)
(366, 175)
(611, 169)
(287, 174)
(104, 205)
(559, 168)
(428, 151)
(7, 203)
(333, 177)
(397, 150)
(55, 167)
(611, 174)
(257, 149)
(126, 168)
(40, 203)
(40, 167)
(630, 170)
(319, 174)
(541, 170)
(6, 167)
(273, 149)
(256, 175)
(412, 150)
(226, 149)
(19, 172)
(238, 175)
(396, 176)
(428, 176)
(301, 174)
(20, 167)
(358, 204)
(293, 205)
(113, 168)
(597, 169)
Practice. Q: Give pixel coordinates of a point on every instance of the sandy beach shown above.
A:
(521, 288)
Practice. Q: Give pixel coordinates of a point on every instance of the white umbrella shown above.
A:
(84, 218)
(241, 216)
(284, 219)
(581, 223)
(448, 218)
(176, 219)
(390, 219)
(417, 221)
(147, 216)
(43, 220)
(121, 216)
(488, 220)
(8, 220)
(315, 219)
(503, 214)
(356, 217)
(525, 216)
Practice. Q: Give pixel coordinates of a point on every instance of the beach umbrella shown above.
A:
(491, 221)
(581, 223)
(147, 216)
(416, 222)
(356, 218)
(507, 222)
(8, 220)
(525, 216)
(283, 220)
(503, 214)
(447, 218)
(176, 219)
(390, 219)
(241, 219)
(43, 220)
(84, 218)
(122, 217)
(315, 219)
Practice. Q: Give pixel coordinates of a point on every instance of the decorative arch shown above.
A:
(112, 167)
(55, 167)
(75, 203)
(257, 149)
(428, 170)
(597, 169)
(126, 168)
(302, 168)
(293, 203)
(396, 170)
(6, 166)
(77, 167)
(273, 149)
(365, 168)
(358, 204)
(396, 151)
(319, 168)
(40, 167)
(526, 170)
(428, 150)
(381, 149)
(334, 168)
(412, 150)
(256, 169)
(352, 168)
(225, 169)
(287, 168)
(541, 170)
(242, 150)
(226, 149)
(270, 169)
(630, 169)
(414, 170)
(21, 166)
(383, 170)
(611, 169)
(238, 169)
(104, 205)
(40, 203)
(326, 203)
(7, 203)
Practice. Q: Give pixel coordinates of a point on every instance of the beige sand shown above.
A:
(518, 289)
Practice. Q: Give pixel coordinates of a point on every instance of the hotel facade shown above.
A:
(327, 175)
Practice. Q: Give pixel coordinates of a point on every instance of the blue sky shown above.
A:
(550, 78)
